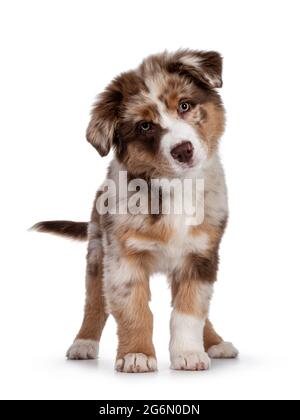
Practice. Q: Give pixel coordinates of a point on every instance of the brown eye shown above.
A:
(184, 107)
(145, 126)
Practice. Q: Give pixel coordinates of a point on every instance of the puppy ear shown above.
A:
(101, 129)
(203, 66)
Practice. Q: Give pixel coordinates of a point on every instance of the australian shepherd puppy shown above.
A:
(162, 208)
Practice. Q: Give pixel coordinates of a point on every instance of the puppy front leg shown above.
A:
(127, 294)
(134, 319)
(191, 298)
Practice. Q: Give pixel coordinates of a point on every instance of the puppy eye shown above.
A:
(184, 107)
(145, 126)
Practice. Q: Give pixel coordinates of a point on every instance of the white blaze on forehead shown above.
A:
(154, 86)
(167, 121)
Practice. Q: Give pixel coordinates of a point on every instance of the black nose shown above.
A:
(183, 152)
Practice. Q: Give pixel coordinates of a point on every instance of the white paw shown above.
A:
(190, 361)
(83, 349)
(223, 350)
(136, 363)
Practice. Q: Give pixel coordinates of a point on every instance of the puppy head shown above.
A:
(165, 118)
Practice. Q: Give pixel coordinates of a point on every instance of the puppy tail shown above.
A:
(73, 230)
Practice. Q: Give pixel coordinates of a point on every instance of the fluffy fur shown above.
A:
(175, 95)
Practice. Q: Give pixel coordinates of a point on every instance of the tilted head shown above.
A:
(164, 118)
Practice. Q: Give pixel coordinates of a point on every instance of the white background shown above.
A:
(55, 57)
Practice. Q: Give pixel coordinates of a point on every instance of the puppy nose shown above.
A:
(183, 152)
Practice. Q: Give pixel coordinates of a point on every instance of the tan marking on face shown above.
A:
(171, 100)
(167, 91)
(141, 162)
(175, 91)
(212, 126)
(196, 115)
(141, 108)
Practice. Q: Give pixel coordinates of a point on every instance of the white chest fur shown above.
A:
(181, 243)
(212, 207)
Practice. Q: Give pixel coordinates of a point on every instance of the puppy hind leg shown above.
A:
(215, 346)
(86, 343)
